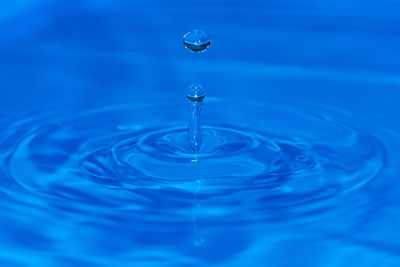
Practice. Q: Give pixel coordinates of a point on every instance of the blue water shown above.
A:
(300, 152)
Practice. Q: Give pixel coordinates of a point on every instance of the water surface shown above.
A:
(300, 152)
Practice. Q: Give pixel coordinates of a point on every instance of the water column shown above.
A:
(196, 41)
(195, 94)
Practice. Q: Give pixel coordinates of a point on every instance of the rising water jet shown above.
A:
(196, 41)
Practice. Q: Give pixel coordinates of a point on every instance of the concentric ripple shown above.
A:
(128, 156)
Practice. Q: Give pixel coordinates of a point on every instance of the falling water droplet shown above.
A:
(195, 94)
(196, 41)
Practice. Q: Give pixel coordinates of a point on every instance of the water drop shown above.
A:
(195, 94)
(196, 41)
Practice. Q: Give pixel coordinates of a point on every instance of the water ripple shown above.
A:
(119, 157)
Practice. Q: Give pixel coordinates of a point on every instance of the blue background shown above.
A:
(88, 54)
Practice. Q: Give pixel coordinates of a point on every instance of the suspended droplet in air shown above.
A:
(196, 41)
